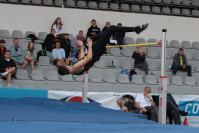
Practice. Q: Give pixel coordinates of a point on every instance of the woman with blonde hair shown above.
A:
(139, 57)
(58, 26)
(30, 56)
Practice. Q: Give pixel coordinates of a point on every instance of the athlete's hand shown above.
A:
(70, 69)
(89, 42)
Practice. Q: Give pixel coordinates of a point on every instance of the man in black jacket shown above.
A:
(66, 44)
(180, 63)
(7, 68)
(49, 41)
(93, 30)
(108, 24)
(119, 36)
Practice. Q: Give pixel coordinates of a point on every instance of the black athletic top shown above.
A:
(5, 64)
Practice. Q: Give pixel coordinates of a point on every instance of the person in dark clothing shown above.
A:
(96, 50)
(108, 24)
(49, 41)
(8, 68)
(93, 30)
(173, 113)
(180, 63)
(140, 59)
(119, 36)
(66, 45)
(2, 49)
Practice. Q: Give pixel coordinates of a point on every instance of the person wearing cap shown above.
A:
(17, 53)
(2, 48)
(180, 63)
(144, 102)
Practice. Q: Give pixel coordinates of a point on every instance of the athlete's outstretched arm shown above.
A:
(79, 65)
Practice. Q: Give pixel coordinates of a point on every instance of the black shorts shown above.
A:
(95, 58)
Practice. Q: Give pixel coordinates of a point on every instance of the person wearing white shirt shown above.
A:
(58, 53)
(145, 104)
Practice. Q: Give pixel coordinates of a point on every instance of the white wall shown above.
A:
(37, 19)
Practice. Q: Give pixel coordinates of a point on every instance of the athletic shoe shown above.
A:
(139, 29)
(183, 113)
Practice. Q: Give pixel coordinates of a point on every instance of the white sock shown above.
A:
(9, 85)
(4, 74)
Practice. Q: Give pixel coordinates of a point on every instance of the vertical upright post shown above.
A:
(85, 88)
(163, 83)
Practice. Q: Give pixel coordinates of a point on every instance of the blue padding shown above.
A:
(48, 110)
(21, 127)
(38, 115)
(22, 92)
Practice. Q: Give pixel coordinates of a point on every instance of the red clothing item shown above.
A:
(2, 52)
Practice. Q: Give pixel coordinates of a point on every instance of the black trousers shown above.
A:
(173, 113)
(175, 68)
(99, 47)
(143, 66)
(152, 113)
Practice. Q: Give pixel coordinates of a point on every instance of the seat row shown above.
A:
(143, 6)
(62, 2)
(105, 75)
(124, 63)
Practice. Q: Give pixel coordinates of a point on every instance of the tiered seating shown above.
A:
(107, 72)
(187, 8)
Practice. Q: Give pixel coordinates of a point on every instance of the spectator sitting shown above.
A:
(140, 59)
(17, 53)
(93, 30)
(80, 35)
(8, 68)
(120, 103)
(108, 24)
(66, 45)
(145, 104)
(30, 56)
(49, 41)
(76, 47)
(58, 53)
(63, 66)
(2, 49)
(180, 63)
(119, 36)
(58, 26)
